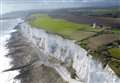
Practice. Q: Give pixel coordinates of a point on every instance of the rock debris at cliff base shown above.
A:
(23, 55)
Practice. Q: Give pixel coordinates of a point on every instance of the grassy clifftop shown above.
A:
(65, 28)
(100, 41)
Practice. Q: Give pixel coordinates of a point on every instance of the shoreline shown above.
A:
(19, 44)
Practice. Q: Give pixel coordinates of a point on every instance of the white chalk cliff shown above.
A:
(64, 55)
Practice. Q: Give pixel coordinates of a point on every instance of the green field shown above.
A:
(111, 10)
(103, 11)
(116, 31)
(115, 65)
(62, 27)
(115, 52)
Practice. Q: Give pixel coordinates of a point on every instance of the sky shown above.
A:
(14, 5)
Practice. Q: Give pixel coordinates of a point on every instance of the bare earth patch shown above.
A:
(96, 42)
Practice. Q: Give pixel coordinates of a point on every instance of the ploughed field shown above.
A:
(103, 43)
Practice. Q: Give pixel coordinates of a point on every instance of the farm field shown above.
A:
(115, 52)
(65, 28)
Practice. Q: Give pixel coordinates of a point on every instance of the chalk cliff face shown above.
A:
(68, 59)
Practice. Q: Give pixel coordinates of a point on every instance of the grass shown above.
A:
(115, 52)
(116, 31)
(78, 32)
(107, 10)
(65, 28)
(115, 65)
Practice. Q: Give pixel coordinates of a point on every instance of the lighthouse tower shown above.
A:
(94, 25)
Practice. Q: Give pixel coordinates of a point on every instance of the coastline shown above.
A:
(24, 57)
(27, 64)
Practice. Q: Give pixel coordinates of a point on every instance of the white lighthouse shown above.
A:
(94, 25)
